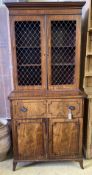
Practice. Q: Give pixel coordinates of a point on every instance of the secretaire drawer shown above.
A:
(29, 108)
(60, 107)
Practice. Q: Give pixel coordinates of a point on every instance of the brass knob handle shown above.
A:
(23, 109)
(71, 107)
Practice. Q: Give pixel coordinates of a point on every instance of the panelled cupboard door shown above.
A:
(63, 51)
(31, 139)
(28, 46)
(64, 138)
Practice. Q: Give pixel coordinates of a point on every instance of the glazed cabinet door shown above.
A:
(28, 50)
(29, 139)
(65, 138)
(63, 51)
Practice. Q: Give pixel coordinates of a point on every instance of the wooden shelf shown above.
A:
(63, 64)
(88, 74)
(89, 54)
(29, 65)
(27, 47)
(88, 90)
(63, 47)
(90, 29)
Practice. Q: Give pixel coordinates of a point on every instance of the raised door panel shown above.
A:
(29, 109)
(60, 108)
(28, 50)
(63, 51)
(31, 139)
(64, 138)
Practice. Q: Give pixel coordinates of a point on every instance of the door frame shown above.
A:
(43, 51)
(78, 123)
(16, 123)
(76, 18)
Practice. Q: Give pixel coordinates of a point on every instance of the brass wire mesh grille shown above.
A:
(30, 75)
(27, 33)
(63, 41)
(63, 74)
(28, 56)
(28, 51)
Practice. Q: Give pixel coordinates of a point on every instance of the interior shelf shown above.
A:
(27, 47)
(29, 65)
(88, 81)
(89, 42)
(55, 47)
(63, 64)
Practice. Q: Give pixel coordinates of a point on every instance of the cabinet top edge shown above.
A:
(42, 94)
(19, 5)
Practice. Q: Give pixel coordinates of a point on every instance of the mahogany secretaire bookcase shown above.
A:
(46, 104)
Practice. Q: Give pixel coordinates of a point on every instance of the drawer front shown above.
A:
(29, 108)
(60, 108)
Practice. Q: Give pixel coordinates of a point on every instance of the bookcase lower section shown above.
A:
(43, 132)
(80, 160)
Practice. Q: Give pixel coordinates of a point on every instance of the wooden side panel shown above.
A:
(88, 126)
(31, 139)
(64, 138)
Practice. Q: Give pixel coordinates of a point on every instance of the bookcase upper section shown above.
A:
(46, 40)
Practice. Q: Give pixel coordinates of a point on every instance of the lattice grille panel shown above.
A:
(63, 42)
(29, 76)
(28, 56)
(27, 33)
(63, 33)
(62, 75)
(28, 51)
(63, 55)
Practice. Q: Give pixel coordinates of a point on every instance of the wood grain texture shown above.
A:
(59, 108)
(51, 108)
(75, 83)
(25, 95)
(29, 109)
(28, 5)
(88, 88)
(88, 62)
(14, 47)
(45, 30)
(31, 139)
(40, 125)
(64, 137)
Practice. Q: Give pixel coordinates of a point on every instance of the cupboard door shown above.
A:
(64, 138)
(63, 51)
(31, 139)
(28, 42)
